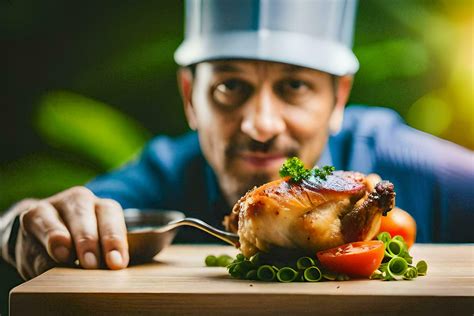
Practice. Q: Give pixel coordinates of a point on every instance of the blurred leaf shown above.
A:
(430, 25)
(398, 58)
(39, 176)
(90, 128)
(149, 61)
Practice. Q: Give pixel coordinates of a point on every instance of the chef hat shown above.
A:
(311, 33)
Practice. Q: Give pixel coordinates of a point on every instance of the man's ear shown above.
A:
(185, 84)
(343, 90)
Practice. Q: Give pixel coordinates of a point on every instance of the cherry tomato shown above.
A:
(359, 258)
(399, 222)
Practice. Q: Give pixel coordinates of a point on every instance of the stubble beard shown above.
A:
(237, 185)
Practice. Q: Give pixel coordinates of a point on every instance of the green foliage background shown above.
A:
(88, 83)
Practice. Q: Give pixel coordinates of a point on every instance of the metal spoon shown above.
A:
(150, 231)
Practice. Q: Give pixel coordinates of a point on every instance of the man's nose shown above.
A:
(263, 120)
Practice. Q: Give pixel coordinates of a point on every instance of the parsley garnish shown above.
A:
(295, 169)
(323, 172)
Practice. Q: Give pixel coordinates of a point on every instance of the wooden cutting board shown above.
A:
(179, 283)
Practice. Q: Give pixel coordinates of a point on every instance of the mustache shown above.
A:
(268, 147)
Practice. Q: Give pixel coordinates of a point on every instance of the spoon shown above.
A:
(150, 231)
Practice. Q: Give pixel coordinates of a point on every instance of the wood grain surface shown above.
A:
(178, 283)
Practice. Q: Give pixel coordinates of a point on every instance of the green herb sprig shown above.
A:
(397, 262)
(295, 169)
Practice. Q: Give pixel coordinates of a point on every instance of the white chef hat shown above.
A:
(311, 33)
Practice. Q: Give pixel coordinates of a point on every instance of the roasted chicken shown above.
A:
(312, 214)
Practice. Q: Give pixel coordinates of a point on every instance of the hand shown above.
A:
(72, 224)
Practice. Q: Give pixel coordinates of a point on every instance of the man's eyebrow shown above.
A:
(293, 68)
(226, 68)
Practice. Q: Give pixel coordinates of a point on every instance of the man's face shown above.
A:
(252, 115)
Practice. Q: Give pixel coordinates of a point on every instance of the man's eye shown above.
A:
(295, 85)
(232, 92)
(293, 91)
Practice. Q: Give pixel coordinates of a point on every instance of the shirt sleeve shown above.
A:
(435, 180)
(138, 184)
(455, 180)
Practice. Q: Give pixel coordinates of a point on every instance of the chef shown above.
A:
(260, 81)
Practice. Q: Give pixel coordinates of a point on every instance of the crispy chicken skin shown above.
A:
(310, 215)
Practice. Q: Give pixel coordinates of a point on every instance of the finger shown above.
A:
(24, 248)
(42, 263)
(77, 209)
(113, 233)
(43, 222)
(32, 258)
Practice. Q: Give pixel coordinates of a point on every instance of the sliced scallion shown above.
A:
(312, 274)
(255, 259)
(251, 275)
(266, 273)
(211, 261)
(410, 274)
(286, 274)
(397, 266)
(422, 267)
(304, 262)
(224, 260)
(395, 247)
(384, 237)
(399, 238)
(240, 257)
(328, 275)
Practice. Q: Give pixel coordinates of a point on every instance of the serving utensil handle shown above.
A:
(230, 238)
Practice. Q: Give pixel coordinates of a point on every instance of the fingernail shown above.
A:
(90, 261)
(114, 258)
(61, 253)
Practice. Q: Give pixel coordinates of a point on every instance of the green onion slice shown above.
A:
(235, 271)
(410, 274)
(397, 266)
(395, 247)
(399, 238)
(312, 274)
(224, 260)
(422, 267)
(255, 259)
(266, 273)
(328, 275)
(407, 257)
(240, 257)
(287, 274)
(251, 275)
(231, 266)
(384, 237)
(304, 262)
(211, 261)
(243, 268)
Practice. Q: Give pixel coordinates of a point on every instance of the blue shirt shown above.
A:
(433, 178)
